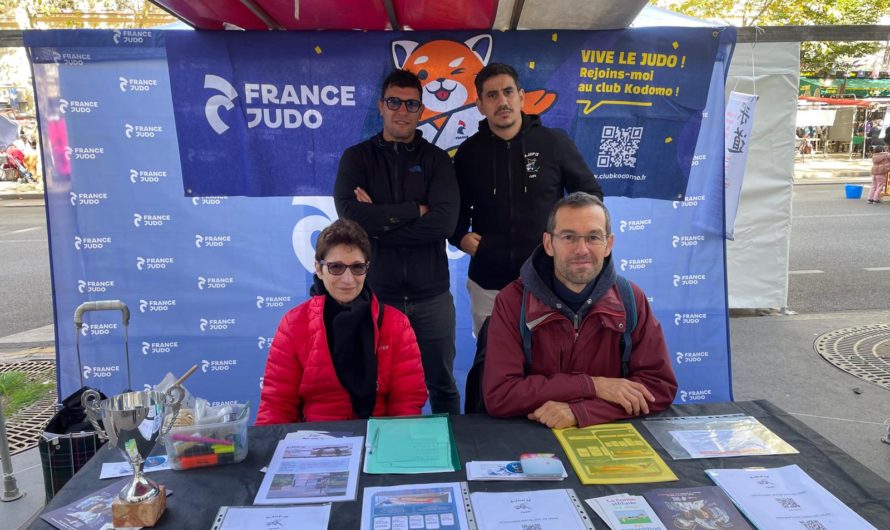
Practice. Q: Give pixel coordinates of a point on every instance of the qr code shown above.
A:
(812, 524)
(618, 146)
(788, 504)
(532, 526)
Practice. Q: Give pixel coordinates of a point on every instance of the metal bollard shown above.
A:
(10, 489)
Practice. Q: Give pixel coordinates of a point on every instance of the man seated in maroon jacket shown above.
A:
(576, 318)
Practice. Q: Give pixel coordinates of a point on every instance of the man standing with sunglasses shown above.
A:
(402, 190)
(510, 173)
(564, 364)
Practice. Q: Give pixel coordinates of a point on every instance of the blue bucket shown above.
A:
(854, 191)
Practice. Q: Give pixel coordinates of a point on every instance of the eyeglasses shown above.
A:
(337, 268)
(393, 103)
(591, 240)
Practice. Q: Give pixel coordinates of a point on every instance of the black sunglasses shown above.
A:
(337, 268)
(393, 103)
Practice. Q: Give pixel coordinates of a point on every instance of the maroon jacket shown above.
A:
(300, 383)
(563, 359)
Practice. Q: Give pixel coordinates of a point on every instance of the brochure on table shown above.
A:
(442, 506)
(557, 509)
(310, 517)
(785, 498)
(719, 436)
(409, 445)
(614, 453)
(702, 507)
(306, 471)
(92, 512)
(626, 512)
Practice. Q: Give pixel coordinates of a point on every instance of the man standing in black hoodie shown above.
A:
(510, 173)
(402, 190)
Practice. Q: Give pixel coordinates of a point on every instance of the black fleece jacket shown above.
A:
(506, 191)
(408, 260)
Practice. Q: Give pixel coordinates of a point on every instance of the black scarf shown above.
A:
(350, 334)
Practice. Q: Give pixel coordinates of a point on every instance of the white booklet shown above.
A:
(432, 506)
(311, 517)
(785, 498)
(307, 471)
(626, 512)
(519, 510)
(501, 470)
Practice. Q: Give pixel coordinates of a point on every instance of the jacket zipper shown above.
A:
(397, 197)
(509, 202)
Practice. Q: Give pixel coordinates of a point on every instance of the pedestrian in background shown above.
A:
(880, 166)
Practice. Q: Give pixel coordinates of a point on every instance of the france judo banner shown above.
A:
(189, 173)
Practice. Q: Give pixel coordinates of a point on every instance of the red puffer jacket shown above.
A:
(300, 383)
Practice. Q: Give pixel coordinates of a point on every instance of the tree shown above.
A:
(65, 14)
(814, 56)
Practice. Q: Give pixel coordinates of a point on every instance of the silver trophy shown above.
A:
(133, 422)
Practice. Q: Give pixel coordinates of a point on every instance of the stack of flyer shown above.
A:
(504, 470)
(786, 498)
(626, 512)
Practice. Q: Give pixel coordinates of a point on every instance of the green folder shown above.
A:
(412, 444)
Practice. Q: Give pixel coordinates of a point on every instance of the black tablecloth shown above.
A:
(199, 493)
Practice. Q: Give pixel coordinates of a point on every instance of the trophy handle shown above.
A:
(173, 399)
(90, 400)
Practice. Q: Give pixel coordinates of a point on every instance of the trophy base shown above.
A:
(145, 513)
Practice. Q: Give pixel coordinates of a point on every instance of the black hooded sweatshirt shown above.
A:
(507, 189)
(408, 259)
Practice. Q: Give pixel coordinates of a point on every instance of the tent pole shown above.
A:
(863, 132)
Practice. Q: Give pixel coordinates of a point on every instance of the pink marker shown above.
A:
(199, 439)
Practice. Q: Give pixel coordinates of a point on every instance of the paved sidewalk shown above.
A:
(13, 191)
(835, 168)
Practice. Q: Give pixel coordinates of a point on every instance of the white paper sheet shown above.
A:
(541, 510)
(721, 443)
(313, 517)
(308, 471)
(785, 498)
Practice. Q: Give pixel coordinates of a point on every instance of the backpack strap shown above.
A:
(625, 345)
(524, 332)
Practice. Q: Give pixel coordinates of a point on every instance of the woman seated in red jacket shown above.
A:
(333, 356)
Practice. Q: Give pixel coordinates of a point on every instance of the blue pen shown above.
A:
(374, 441)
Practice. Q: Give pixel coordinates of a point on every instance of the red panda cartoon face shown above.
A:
(446, 70)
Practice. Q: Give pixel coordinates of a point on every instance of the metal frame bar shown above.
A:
(848, 33)
(261, 14)
(517, 12)
(12, 38)
(391, 13)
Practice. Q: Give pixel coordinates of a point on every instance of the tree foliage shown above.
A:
(814, 56)
(31, 11)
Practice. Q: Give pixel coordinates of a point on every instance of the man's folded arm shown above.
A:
(649, 365)
(443, 200)
(376, 219)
